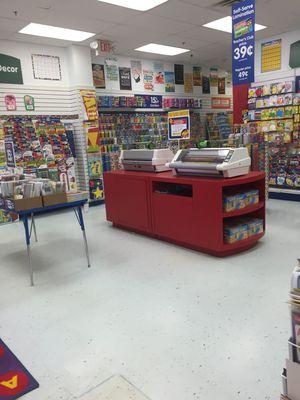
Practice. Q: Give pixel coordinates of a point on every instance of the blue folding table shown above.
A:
(26, 215)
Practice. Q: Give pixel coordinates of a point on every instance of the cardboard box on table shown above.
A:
(23, 204)
(54, 199)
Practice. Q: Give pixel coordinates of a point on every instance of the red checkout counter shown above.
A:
(193, 216)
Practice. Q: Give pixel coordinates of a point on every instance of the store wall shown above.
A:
(114, 88)
(285, 72)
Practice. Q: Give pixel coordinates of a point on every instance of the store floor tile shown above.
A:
(114, 388)
(178, 324)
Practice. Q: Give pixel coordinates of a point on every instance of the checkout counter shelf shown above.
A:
(186, 211)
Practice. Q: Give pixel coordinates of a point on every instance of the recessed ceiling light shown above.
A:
(225, 25)
(140, 5)
(56, 32)
(161, 49)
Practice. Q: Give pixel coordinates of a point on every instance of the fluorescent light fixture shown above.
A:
(140, 5)
(56, 32)
(161, 49)
(225, 25)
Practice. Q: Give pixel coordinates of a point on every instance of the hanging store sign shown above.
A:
(179, 124)
(148, 101)
(243, 42)
(10, 70)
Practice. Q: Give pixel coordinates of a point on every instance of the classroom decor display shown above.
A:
(10, 102)
(179, 125)
(243, 42)
(29, 103)
(98, 76)
(179, 74)
(40, 146)
(271, 56)
(213, 77)
(15, 379)
(125, 78)
(221, 85)
(89, 104)
(159, 78)
(188, 82)
(111, 68)
(273, 126)
(197, 76)
(10, 70)
(148, 80)
(205, 84)
(46, 67)
(136, 69)
(169, 82)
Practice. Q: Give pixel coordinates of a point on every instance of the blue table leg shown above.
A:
(27, 234)
(81, 222)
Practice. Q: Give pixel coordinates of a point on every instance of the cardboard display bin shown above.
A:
(54, 199)
(23, 204)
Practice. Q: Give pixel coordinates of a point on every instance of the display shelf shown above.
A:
(244, 211)
(173, 208)
(243, 243)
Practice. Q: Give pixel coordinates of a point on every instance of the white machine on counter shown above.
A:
(226, 162)
(146, 160)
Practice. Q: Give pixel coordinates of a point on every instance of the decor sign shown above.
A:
(148, 101)
(10, 70)
(243, 42)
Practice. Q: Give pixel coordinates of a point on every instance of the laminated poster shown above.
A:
(179, 74)
(197, 76)
(98, 76)
(10, 102)
(188, 82)
(159, 77)
(221, 86)
(136, 69)
(205, 84)
(111, 68)
(29, 103)
(271, 56)
(125, 78)
(169, 82)
(214, 77)
(148, 80)
(90, 105)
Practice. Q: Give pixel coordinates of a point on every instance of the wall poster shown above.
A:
(125, 78)
(188, 82)
(214, 77)
(221, 85)
(205, 84)
(159, 78)
(90, 104)
(271, 56)
(197, 76)
(169, 82)
(136, 69)
(179, 74)
(111, 68)
(148, 80)
(98, 76)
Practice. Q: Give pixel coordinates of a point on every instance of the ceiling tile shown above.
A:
(186, 13)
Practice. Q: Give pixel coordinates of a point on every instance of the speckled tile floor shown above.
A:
(177, 324)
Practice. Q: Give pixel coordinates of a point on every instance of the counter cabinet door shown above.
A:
(127, 201)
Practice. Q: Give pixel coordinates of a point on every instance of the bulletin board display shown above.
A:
(271, 56)
(46, 67)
